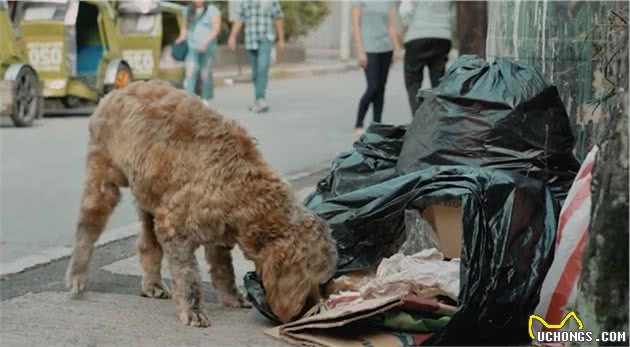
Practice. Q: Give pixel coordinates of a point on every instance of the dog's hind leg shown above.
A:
(222, 274)
(100, 196)
(150, 254)
(186, 290)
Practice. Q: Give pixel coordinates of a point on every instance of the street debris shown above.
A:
(425, 274)
(478, 175)
(357, 325)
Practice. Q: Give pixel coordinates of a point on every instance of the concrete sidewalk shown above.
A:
(99, 319)
(228, 76)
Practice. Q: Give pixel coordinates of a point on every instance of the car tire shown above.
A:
(28, 102)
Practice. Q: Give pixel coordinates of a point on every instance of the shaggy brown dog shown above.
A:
(198, 180)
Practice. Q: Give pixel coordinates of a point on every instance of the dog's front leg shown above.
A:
(100, 196)
(222, 274)
(186, 281)
(150, 254)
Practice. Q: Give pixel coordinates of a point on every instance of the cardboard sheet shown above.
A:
(339, 327)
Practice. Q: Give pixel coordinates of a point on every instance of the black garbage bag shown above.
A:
(509, 231)
(500, 115)
(373, 160)
(256, 295)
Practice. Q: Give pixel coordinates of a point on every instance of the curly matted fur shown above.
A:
(198, 180)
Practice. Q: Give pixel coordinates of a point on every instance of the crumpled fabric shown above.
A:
(420, 322)
(425, 274)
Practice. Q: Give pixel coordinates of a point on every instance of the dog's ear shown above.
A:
(286, 282)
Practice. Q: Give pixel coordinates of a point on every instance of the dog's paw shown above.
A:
(76, 283)
(194, 318)
(235, 301)
(155, 291)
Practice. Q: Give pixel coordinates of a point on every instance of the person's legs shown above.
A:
(437, 63)
(252, 57)
(371, 77)
(207, 86)
(192, 70)
(413, 67)
(262, 67)
(384, 62)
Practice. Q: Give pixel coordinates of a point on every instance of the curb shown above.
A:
(51, 254)
(227, 79)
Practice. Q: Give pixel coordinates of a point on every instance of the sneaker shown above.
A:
(358, 132)
(260, 106)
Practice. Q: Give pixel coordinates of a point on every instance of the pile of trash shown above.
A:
(457, 213)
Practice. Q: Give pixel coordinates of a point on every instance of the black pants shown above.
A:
(376, 76)
(418, 54)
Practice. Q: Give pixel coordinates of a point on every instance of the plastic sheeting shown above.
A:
(500, 115)
(509, 231)
(373, 160)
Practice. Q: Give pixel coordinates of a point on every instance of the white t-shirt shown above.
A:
(426, 19)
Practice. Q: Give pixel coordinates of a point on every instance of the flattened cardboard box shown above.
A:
(323, 330)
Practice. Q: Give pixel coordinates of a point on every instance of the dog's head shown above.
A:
(296, 267)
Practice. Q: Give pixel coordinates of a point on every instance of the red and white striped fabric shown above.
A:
(560, 285)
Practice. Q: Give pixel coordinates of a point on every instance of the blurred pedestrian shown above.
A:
(375, 39)
(203, 24)
(263, 21)
(427, 43)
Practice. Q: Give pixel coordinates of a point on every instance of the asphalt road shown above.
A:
(41, 168)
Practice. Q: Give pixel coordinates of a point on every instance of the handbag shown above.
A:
(180, 50)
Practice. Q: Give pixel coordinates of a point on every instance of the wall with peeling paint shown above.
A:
(573, 43)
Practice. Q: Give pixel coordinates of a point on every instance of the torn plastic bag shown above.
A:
(509, 226)
(419, 234)
(372, 161)
(501, 115)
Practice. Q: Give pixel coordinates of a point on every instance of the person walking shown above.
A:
(375, 39)
(259, 18)
(203, 24)
(427, 43)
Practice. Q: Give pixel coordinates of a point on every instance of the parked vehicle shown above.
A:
(75, 48)
(20, 88)
(148, 30)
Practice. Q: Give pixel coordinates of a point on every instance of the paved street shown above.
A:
(41, 175)
(41, 180)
